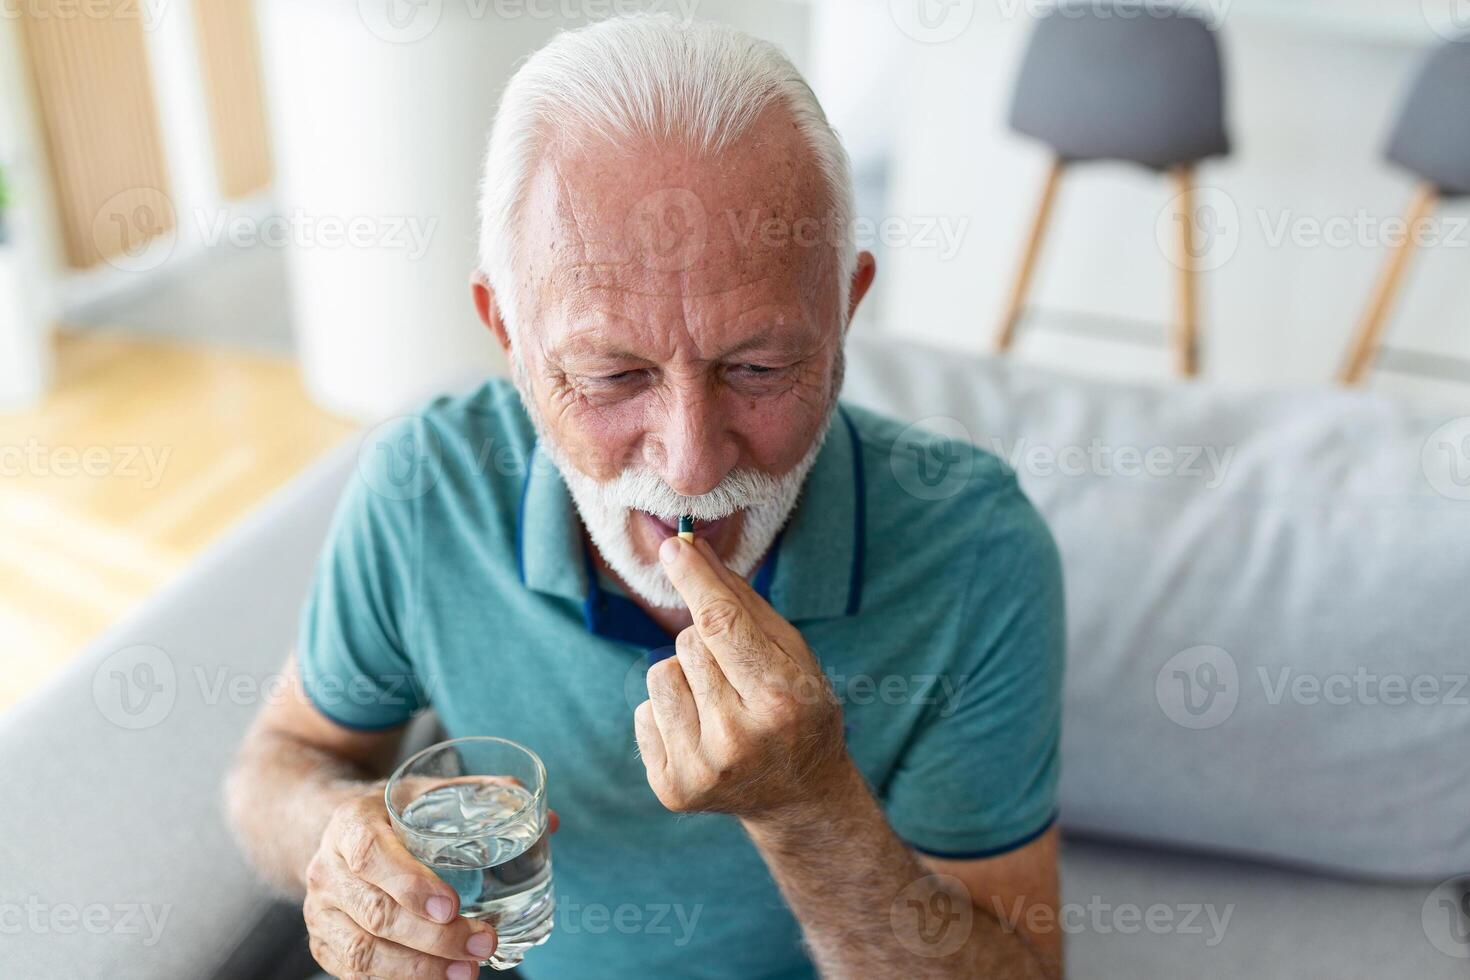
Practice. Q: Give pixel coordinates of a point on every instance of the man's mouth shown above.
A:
(669, 527)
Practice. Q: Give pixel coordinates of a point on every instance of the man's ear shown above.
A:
(489, 310)
(862, 280)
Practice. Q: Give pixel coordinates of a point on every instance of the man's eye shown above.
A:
(756, 369)
(616, 378)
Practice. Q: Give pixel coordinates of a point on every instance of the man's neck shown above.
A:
(673, 621)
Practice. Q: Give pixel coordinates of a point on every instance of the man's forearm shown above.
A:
(842, 868)
(280, 796)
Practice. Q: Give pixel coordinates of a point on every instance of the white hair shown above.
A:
(648, 78)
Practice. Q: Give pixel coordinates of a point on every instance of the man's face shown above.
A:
(679, 320)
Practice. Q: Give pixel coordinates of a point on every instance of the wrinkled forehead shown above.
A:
(655, 231)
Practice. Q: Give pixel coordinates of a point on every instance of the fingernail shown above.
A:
(460, 971)
(669, 550)
(440, 908)
(481, 944)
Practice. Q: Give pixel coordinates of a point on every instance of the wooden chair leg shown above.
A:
(1186, 316)
(1006, 336)
(1369, 336)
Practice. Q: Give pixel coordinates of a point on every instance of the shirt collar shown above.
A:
(814, 569)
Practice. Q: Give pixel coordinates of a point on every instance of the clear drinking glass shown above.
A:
(474, 811)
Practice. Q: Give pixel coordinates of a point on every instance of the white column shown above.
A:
(379, 113)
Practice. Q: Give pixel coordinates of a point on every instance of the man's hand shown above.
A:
(373, 910)
(742, 720)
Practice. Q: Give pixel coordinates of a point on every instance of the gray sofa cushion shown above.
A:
(112, 772)
(1288, 552)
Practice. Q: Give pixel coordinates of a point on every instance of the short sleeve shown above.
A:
(354, 635)
(979, 778)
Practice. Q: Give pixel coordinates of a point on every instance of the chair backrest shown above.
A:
(1123, 81)
(1432, 136)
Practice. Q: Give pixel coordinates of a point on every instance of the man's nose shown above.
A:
(697, 450)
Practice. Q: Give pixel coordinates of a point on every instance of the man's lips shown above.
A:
(670, 528)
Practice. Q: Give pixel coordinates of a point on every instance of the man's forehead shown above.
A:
(662, 222)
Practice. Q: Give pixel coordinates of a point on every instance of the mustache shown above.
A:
(642, 489)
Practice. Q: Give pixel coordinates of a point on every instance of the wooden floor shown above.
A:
(142, 454)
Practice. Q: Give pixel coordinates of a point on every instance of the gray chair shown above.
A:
(1124, 82)
(1431, 141)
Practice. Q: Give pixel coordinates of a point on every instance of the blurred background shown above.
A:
(232, 233)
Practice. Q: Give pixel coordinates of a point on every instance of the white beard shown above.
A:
(765, 501)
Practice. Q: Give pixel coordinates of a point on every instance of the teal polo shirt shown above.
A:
(455, 575)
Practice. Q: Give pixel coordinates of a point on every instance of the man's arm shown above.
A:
(870, 906)
(306, 801)
(293, 770)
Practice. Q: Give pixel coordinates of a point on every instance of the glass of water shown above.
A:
(474, 811)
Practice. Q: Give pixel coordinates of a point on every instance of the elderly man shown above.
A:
(846, 762)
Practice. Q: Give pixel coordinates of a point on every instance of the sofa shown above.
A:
(1289, 838)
